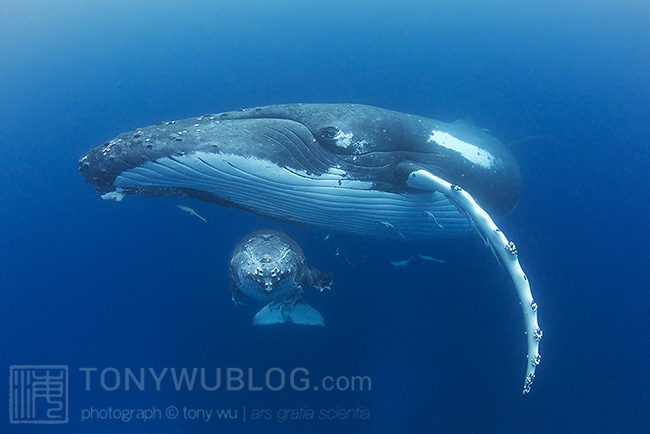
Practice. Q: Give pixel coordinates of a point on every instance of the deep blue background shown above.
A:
(139, 283)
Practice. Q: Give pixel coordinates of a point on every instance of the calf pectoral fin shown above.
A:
(236, 295)
(293, 312)
(318, 279)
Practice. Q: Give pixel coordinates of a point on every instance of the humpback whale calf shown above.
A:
(341, 167)
(269, 266)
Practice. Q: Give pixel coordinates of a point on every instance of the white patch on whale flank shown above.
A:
(343, 140)
(346, 140)
(470, 152)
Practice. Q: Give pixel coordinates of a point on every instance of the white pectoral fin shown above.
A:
(293, 312)
(505, 250)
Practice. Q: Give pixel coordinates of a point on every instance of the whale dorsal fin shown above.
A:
(528, 140)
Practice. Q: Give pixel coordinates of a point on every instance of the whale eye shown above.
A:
(338, 141)
(329, 132)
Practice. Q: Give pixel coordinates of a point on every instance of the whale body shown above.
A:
(341, 167)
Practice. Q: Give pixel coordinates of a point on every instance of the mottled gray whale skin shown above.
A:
(269, 266)
(336, 166)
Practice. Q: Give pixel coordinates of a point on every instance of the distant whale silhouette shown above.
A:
(342, 167)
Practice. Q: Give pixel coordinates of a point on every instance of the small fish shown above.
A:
(389, 225)
(190, 211)
(429, 258)
(341, 254)
(402, 263)
(430, 215)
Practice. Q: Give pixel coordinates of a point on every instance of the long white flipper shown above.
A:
(504, 249)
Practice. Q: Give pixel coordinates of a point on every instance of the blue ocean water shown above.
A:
(110, 288)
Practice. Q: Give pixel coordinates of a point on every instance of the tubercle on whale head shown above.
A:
(96, 169)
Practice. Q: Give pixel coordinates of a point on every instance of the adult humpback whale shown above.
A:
(343, 167)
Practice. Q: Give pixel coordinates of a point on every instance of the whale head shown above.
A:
(267, 265)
